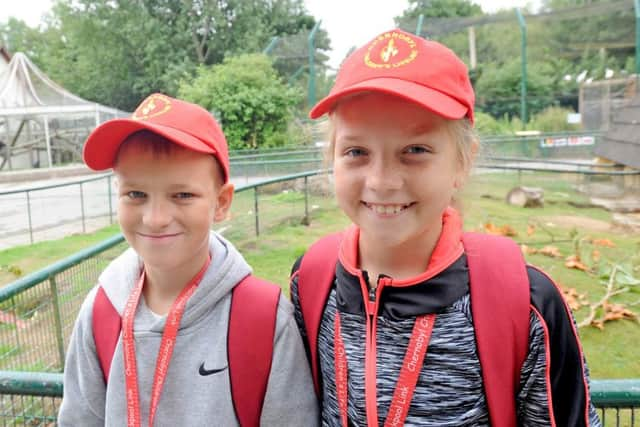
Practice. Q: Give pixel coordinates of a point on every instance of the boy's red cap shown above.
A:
(402, 64)
(183, 123)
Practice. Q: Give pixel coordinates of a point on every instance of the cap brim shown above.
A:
(431, 99)
(102, 145)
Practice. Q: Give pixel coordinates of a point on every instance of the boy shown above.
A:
(173, 287)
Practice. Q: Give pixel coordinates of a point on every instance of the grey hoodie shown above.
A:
(188, 399)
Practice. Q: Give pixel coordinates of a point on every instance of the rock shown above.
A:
(526, 197)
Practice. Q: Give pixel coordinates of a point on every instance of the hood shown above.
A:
(227, 268)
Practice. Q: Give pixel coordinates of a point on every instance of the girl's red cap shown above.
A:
(404, 65)
(186, 124)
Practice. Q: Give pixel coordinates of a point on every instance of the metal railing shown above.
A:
(52, 211)
(33, 399)
(38, 311)
(46, 212)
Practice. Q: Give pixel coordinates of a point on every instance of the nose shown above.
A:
(157, 214)
(384, 176)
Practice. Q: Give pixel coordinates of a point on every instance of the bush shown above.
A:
(552, 119)
(251, 102)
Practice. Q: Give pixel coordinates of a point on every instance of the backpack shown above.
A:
(499, 288)
(252, 320)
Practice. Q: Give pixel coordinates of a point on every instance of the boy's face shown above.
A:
(167, 203)
(395, 169)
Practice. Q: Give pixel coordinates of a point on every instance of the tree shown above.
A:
(498, 88)
(432, 10)
(439, 9)
(116, 52)
(247, 96)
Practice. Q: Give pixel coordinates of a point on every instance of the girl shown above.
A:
(411, 328)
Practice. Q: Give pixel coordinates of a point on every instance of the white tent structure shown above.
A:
(40, 119)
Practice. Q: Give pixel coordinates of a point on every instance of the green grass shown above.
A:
(283, 238)
(29, 258)
(607, 351)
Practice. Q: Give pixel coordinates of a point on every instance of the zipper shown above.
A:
(371, 298)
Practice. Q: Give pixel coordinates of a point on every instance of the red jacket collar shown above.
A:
(448, 249)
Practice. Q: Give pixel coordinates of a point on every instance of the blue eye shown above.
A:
(136, 195)
(183, 195)
(355, 152)
(417, 149)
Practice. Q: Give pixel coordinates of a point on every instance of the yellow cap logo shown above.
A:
(153, 106)
(391, 50)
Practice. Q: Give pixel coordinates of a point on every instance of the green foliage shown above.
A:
(117, 52)
(438, 9)
(246, 94)
(499, 86)
(583, 36)
(552, 119)
(486, 124)
(11, 269)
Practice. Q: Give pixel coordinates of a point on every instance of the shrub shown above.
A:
(251, 102)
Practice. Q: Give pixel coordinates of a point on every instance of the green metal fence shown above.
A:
(39, 309)
(33, 399)
(43, 212)
(37, 312)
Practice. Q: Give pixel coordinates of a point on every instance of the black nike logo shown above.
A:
(204, 372)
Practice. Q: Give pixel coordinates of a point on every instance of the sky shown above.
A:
(348, 22)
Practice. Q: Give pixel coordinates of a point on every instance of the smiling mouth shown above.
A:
(158, 236)
(387, 209)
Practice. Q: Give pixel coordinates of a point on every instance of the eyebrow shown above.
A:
(420, 129)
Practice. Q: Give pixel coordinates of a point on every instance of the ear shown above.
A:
(225, 196)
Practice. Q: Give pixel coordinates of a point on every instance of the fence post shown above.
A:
(523, 81)
(311, 96)
(16, 329)
(110, 201)
(29, 217)
(255, 208)
(56, 318)
(306, 220)
(84, 229)
(636, 6)
(419, 25)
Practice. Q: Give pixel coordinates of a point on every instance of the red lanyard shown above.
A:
(407, 379)
(164, 353)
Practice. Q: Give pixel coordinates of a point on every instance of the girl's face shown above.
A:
(396, 169)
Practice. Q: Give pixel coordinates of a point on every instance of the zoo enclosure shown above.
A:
(38, 310)
(38, 213)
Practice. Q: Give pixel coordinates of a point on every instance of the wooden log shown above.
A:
(526, 197)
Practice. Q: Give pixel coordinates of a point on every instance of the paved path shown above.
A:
(58, 212)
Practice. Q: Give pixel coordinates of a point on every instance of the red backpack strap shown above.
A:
(252, 324)
(500, 304)
(106, 325)
(315, 277)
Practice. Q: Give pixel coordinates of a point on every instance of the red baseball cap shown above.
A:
(401, 64)
(183, 123)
